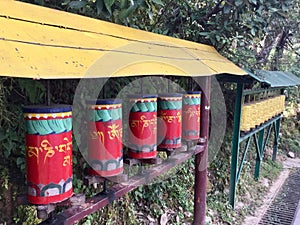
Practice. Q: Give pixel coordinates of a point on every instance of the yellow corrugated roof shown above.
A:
(43, 43)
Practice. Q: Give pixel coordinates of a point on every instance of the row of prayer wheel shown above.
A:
(256, 113)
(154, 121)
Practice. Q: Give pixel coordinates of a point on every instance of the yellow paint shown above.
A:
(256, 113)
(110, 106)
(47, 115)
(143, 99)
(192, 95)
(43, 43)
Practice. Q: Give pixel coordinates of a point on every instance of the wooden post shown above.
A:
(201, 158)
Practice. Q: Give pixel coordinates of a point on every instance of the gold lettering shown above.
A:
(68, 146)
(96, 134)
(101, 135)
(134, 123)
(93, 134)
(67, 160)
(48, 148)
(145, 123)
(170, 119)
(61, 148)
(179, 117)
(33, 152)
(191, 113)
(115, 132)
(69, 143)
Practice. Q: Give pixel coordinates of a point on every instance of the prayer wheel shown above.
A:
(253, 114)
(272, 106)
(246, 117)
(268, 109)
(143, 126)
(281, 103)
(48, 153)
(105, 148)
(259, 113)
(169, 124)
(191, 115)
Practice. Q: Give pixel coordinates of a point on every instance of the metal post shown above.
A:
(259, 155)
(277, 130)
(268, 136)
(235, 143)
(201, 158)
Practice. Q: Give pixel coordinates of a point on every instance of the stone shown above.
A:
(291, 155)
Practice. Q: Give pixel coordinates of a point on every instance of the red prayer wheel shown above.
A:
(48, 153)
(169, 125)
(105, 148)
(191, 115)
(143, 127)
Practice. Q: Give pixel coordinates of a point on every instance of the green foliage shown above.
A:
(176, 192)
(245, 31)
(118, 11)
(271, 169)
(13, 94)
(4, 178)
(290, 131)
(147, 203)
(249, 191)
(219, 209)
(26, 215)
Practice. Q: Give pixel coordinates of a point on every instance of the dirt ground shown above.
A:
(288, 164)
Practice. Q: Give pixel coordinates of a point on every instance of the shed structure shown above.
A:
(257, 114)
(42, 43)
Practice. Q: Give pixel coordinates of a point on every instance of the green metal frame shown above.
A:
(260, 136)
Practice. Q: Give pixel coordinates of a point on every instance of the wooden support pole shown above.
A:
(201, 159)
